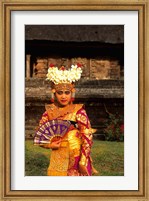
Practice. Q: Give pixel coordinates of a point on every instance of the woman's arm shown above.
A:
(43, 119)
(86, 135)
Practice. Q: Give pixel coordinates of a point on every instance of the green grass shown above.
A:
(36, 159)
(108, 158)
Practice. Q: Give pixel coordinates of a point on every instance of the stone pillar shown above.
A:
(40, 68)
(28, 70)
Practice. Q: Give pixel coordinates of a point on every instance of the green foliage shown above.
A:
(114, 130)
(108, 158)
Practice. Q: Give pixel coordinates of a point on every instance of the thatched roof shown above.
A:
(76, 33)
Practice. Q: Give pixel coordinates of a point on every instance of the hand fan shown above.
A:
(51, 131)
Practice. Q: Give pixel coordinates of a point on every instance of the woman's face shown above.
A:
(63, 97)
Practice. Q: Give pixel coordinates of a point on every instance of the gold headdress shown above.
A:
(62, 79)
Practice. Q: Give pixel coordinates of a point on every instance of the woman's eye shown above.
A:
(59, 92)
(67, 92)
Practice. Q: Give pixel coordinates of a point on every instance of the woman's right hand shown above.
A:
(55, 144)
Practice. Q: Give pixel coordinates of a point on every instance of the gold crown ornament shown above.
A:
(63, 79)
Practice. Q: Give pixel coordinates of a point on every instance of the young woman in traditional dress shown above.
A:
(65, 127)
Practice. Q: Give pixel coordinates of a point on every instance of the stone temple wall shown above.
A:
(95, 111)
(100, 50)
(102, 83)
(94, 94)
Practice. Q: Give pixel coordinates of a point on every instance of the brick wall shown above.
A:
(92, 68)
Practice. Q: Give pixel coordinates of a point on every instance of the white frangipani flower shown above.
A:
(64, 76)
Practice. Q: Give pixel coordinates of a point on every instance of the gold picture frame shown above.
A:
(5, 137)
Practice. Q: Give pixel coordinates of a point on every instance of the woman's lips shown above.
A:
(63, 101)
